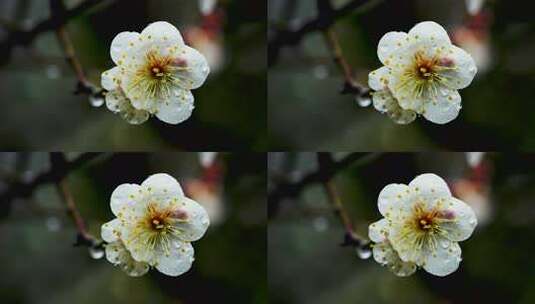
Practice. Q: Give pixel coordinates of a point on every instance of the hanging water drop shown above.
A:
(364, 252)
(363, 101)
(96, 252)
(96, 101)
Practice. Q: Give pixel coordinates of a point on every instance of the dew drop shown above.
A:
(473, 221)
(205, 70)
(445, 244)
(96, 253)
(364, 252)
(472, 70)
(96, 101)
(363, 101)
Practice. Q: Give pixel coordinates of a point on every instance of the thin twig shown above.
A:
(290, 190)
(20, 37)
(84, 238)
(284, 37)
(351, 86)
(351, 238)
(84, 86)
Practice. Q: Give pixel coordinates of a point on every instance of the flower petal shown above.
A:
(126, 200)
(378, 79)
(463, 69)
(178, 261)
(120, 46)
(385, 255)
(389, 44)
(430, 187)
(110, 79)
(117, 102)
(444, 108)
(117, 254)
(464, 220)
(194, 219)
(385, 102)
(110, 231)
(191, 68)
(162, 187)
(162, 31)
(393, 199)
(378, 231)
(176, 109)
(429, 31)
(444, 260)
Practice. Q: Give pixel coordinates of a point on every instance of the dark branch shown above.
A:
(19, 37)
(325, 18)
(291, 190)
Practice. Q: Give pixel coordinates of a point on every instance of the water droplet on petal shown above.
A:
(96, 101)
(472, 69)
(96, 253)
(445, 244)
(473, 221)
(364, 252)
(363, 101)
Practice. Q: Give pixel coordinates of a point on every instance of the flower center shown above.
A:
(157, 223)
(157, 72)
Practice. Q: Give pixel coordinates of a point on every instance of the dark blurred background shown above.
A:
(40, 111)
(40, 265)
(498, 112)
(308, 265)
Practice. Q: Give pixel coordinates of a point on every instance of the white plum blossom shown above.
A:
(422, 74)
(155, 226)
(155, 74)
(422, 226)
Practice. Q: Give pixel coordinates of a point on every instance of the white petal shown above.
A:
(378, 231)
(110, 231)
(195, 221)
(178, 260)
(444, 108)
(429, 31)
(464, 220)
(378, 79)
(389, 44)
(120, 46)
(117, 102)
(126, 200)
(444, 260)
(176, 109)
(385, 102)
(162, 187)
(430, 187)
(463, 68)
(393, 199)
(162, 31)
(385, 255)
(110, 79)
(192, 68)
(117, 254)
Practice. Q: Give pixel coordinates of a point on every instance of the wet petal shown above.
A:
(429, 31)
(191, 220)
(110, 79)
(444, 259)
(385, 102)
(463, 68)
(378, 79)
(120, 46)
(443, 108)
(389, 44)
(385, 255)
(177, 261)
(191, 68)
(430, 187)
(111, 231)
(394, 199)
(126, 200)
(177, 108)
(162, 31)
(162, 187)
(463, 221)
(378, 231)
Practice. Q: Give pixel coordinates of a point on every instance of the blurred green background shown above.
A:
(40, 112)
(40, 265)
(306, 112)
(308, 265)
